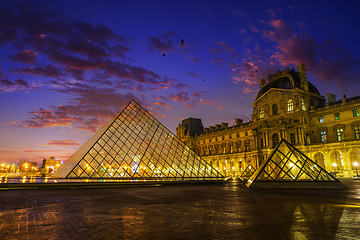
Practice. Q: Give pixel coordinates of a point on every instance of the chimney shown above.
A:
(206, 130)
(238, 122)
(224, 125)
(212, 128)
(217, 127)
(331, 98)
(261, 83)
(303, 78)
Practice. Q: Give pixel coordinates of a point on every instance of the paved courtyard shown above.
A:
(219, 211)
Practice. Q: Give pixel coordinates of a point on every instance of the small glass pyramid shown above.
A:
(248, 172)
(135, 145)
(287, 164)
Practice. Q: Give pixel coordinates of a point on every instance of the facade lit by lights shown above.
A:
(287, 106)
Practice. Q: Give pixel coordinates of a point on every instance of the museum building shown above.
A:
(289, 107)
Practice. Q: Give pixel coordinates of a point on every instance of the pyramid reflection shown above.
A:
(135, 145)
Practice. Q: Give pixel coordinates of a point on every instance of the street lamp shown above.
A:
(356, 164)
(335, 166)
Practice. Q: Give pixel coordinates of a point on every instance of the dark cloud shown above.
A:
(89, 109)
(48, 71)
(328, 61)
(194, 59)
(9, 86)
(26, 56)
(192, 74)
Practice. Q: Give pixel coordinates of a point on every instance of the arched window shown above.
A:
(275, 139)
(261, 113)
(290, 105)
(274, 109)
(303, 107)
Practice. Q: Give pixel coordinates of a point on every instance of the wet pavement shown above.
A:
(218, 211)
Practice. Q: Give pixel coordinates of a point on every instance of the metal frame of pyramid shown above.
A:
(248, 172)
(136, 146)
(288, 167)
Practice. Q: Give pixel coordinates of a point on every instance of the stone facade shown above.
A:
(286, 106)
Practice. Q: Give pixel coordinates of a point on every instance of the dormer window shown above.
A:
(261, 113)
(290, 105)
(303, 107)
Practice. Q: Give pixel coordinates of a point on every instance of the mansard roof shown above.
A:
(287, 79)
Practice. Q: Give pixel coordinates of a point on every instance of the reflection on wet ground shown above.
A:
(219, 211)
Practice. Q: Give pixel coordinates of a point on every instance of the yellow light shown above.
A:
(356, 164)
(2, 164)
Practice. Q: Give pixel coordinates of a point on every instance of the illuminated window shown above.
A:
(261, 113)
(290, 105)
(323, 136)
(321, 119)
(303, 107)
(339, 134)
(355, 113)
(337, 116)
(357, 132)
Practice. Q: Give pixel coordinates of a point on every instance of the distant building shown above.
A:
(290, 107)
(50, 166)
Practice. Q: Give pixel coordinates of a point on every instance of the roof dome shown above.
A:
(288, 79)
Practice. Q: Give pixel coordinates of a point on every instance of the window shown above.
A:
(229, 136)
(209, 139)
(222, 137)
(261, 113)
(237, 135)
(339, 133)
(321, 119)
(337, 116)
(292, 138)
(323, 136)
(303, 107)
(357, 132)
(274, 109)
(247, 144)
(246, 133)
(290, 105)
(275, 139)
(261, 143)
(355, 113)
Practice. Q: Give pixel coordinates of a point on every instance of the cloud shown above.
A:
(26, 56)
(192, 74)
(195, 59)
(67, 142)
(48, 71)
(162, 43)
(89, 109)
(180, 97)
(328, 61)
(9, 86)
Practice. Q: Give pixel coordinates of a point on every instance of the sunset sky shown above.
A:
(67, 67)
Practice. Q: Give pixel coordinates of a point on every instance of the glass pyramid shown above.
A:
(248, 172)
(135, 145)
(286, 164)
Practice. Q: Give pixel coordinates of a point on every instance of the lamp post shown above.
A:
(335, 166)
(356, 164)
